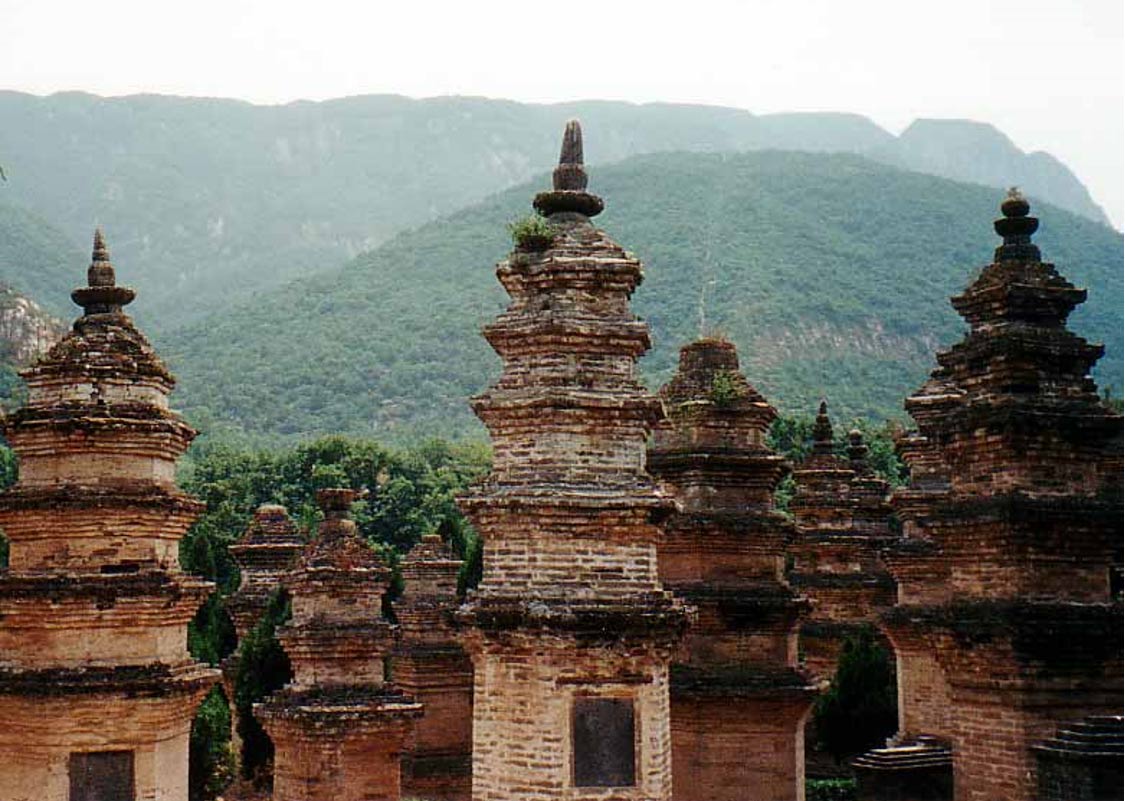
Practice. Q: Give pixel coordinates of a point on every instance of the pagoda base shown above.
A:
(343, 745)
(558, 714)
(1082, 762)
(126, 730)
(918, 770)
(740, 743)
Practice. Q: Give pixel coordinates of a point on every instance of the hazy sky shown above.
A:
(1049, 73)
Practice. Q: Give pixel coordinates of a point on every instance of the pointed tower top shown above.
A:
(569, 180)
(822, 430)
(1016, 227)
(101, 295)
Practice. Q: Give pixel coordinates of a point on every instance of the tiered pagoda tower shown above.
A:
(739, 702)
(338, 729)
(1007, 628)
(265, 553)
(431, 666)
(97, 689)
(570, 631)
(843, 518)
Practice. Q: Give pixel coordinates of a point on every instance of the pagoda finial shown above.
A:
(822, 430)
(569, 181)
(1016, 227)
(101, 295)
(570, 175)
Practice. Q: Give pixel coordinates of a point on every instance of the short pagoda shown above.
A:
(570, 630)
(431, 666)
(265, 553)
(338, 729)
(739, 702)
(1008, 627)
(97, 688)
(843, 520)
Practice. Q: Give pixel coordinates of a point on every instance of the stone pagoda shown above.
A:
(843, 519)
(739, 702)
(1007, 628)
(265, 553)
(431, 666)
(97, 688)
(338, 729)
(570, 630)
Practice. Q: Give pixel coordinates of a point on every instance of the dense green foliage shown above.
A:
(831, 273)
(860, 709)
(830, 790)
(205, 199)
(263, 668)
(408, 494)
(210, 761)
(37, 260)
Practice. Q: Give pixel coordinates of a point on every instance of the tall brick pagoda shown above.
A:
(97, 689)
(431, 666)
(843, 519)
(1007, 629)
(570, 630)
(338, 729)
(739, 703)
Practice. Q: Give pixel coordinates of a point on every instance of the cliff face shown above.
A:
(26, 331)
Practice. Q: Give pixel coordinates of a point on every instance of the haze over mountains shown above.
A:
(209, 200)
(295, 264)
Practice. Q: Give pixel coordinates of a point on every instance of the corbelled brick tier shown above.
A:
(1083, 761)
(739, 702)
(843, 518)
(1006, 625)
(94, 666)
(338, 729)
(570, 621)
(431, 665)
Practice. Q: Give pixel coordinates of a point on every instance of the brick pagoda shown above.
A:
(570, 631)
(1006, 629)
(265, 553)
(843, 519)
(431, 666)
(97, 689)
(738, 701)
(338, 728)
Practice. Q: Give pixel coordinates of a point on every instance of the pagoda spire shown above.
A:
(822, 430)
(1016, 227)
(569, 180)
(101, 295)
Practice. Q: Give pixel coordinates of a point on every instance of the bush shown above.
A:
(531, 233)
(830, 790)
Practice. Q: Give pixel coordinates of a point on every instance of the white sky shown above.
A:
(1048, 73)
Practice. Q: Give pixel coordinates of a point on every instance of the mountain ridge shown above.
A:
(832, 274)
(211, 200)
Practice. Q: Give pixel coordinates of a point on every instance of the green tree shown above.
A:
(860, 709)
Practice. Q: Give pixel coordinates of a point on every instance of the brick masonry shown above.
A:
(94, 666)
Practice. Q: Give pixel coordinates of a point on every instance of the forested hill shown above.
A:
(208, 200)
(831, 273)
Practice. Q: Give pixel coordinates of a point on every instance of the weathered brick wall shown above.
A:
(525, 689)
